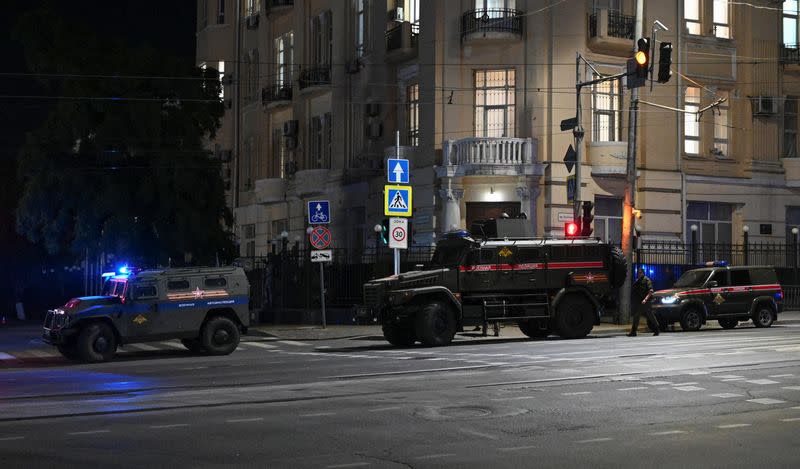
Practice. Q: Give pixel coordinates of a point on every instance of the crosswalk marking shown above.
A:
(177, 345)
(766, 401)
(261, 345)
(142, 347)
(42, 353)
(734, 425)
(5, 356)
(292, 342)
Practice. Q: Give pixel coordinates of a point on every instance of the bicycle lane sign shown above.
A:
(319, 212)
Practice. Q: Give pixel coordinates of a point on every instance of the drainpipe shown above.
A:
(236, 95)
(679, 116)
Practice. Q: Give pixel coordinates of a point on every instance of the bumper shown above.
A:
(58, 336)
(667, 313)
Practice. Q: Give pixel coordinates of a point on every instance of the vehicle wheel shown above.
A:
(96, 343)
(728, 323)
(398, 336)
(220, 336)
(763, 316)
(691, 320)
(574, 317)
(193, 345)
(619, 267)
(70, 352)
(435, 324)
(531, 328)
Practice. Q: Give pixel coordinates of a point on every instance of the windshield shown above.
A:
(693, 278)
(447, 256)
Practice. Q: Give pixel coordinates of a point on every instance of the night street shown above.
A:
(714, 398)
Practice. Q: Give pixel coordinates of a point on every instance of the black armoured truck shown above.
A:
(546, 286)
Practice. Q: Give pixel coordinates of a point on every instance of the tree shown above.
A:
(119, 164)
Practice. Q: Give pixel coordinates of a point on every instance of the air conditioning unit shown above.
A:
(252, 21)
(225, 156)
(290, 128)
(352, 66)
(765, 105)
(373, 109)
(374, 130)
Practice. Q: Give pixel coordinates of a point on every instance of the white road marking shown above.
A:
(732, 379)
(5, 356)
(12, 438)
(594, 440)
(292, 342)
(726, 395)
(435, 456)
(633, 389)
(517, 448)
(786, 375)
(734, 425)
(319, 414)
(172, 344)
(322, 346)
(262, 345)
(658, 383)
(766, 401)
(669, 432)
(728, 376)
(796, 408)
(142, 347)
(517, 398)
(90, 432)
(575, 393)
(761, 381)
(42, 353)
(174, 425)
(254, 419)
(793, 419)
(352, 464)
(474, 433)
(195, 368)
(697, 373)
(793, 388)
(239, 347)
(685, 384)
(384, 409)
(689, 388)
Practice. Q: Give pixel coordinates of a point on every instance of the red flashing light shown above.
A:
(571, 229)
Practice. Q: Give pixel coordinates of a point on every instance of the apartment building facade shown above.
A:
(316, 92)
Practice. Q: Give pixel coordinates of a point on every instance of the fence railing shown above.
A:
(316, 76)
(502, 20)
(790, 54)
(777, 255)
(488, 150)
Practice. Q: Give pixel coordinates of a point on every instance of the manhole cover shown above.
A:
(466, 412)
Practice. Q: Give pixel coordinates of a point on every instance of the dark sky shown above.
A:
(167, 25)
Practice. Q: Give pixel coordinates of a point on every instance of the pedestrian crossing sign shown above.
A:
(397, 201)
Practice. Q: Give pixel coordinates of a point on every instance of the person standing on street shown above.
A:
(641, 290)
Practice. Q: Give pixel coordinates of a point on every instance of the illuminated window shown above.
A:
(607, 111)
(221, 70)
(721, 127)
(691, 125)
(220, 11)
(790, 15)
(360, 27)
(790, 127)
(494, 103)
(412, 93)
(721, 23)
(691, 16)
(284, 52)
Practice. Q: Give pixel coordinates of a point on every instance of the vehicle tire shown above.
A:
(96, 343)
(435, 324)
(574, 317)
(728, 323)
(70, 352)
(220, 336)
(762, 317)
(530, 327)
(193, 345)
(399, 336)
(618, 267)
(691, 320)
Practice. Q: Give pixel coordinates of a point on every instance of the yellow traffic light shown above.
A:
(641, 58)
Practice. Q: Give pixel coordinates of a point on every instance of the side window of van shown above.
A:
(173, 285)
(215, 282)
(144, 292)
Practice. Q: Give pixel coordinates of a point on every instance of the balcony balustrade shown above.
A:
(277, 94)
(488, 156)
(611, 32)
(316, 76)
(790, 54)
(401, 41)
(492, 23)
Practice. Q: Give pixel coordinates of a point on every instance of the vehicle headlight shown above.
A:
(668, 300)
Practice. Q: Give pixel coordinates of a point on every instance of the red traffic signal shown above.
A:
(571, 229)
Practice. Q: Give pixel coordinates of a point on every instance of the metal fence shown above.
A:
(777, 255)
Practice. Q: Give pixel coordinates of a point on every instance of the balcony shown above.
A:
(274, 6)
(489, 156)
(492, 23)
(270, 191)
(402, 42)
(611, 32)
(315, 77)
(790, 56)
(608, 158)
(276, 95)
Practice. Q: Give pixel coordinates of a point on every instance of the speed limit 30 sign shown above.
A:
(398, 233)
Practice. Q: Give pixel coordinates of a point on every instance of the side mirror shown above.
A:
(712, 284)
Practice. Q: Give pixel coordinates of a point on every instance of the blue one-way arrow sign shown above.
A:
(397, 171)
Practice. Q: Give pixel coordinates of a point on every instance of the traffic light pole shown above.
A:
(578, 133)
(629, 200)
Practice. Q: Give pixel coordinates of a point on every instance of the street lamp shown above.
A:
(794, 253)
(694, 244)
(746, 233)
(284, 239)
(378, 228)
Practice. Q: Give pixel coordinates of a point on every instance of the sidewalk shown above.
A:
(311, 333)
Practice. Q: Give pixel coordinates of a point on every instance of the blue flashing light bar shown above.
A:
(108, 274)
(456, 234)
(717, 264)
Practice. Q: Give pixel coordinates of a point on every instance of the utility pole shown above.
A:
(578, 133)
(629, 201)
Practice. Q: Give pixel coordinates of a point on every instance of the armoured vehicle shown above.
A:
(722, 293)
(205, 307)
(544, 285)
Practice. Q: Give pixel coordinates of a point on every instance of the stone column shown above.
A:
(528, 194)
(451, 208)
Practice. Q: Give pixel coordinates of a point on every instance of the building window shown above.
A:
(321, 141)
(713, 220)
(790, 127)
(607, 111)
(361, 27)
(278, 166)
(608, 219)
(691, 124)
(691, 16)
(611, 5)
(284, 52)
(251, 7)
(220, 11)
(321, 39)
(792, 221)
(494, 103)
(495, 5)
(328, 135)
(411, 13)
(203, 13)
(221, 70)
(722, 27)
(790, 23)
(721, 127)
(253, 74)
(412, 93)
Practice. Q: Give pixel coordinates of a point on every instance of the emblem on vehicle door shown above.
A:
(505, 252)
(719, 299)
(140, 319)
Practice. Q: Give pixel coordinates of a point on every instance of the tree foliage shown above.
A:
(119, 165)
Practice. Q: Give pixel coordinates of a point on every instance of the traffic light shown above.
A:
(384, 235)
(571, 229)
(586, 224)
(642, 57)
(664, 62)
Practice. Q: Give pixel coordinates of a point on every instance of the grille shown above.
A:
(372, 295)
(418, 282)
(54, 321)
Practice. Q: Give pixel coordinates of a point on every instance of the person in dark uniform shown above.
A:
(641, 290)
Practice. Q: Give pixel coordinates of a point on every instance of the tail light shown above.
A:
(73, 303)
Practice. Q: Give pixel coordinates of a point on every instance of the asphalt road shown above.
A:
(713, 398)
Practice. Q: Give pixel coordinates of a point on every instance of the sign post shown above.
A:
(398, 233)
(320, 238)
